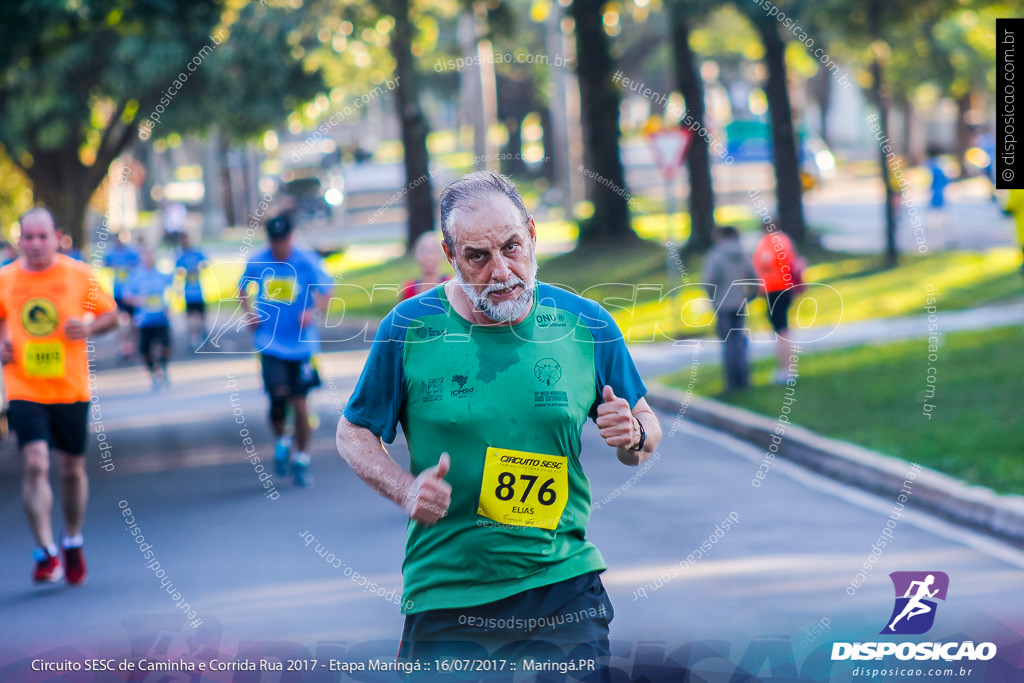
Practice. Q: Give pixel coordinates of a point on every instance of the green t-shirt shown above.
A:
(462, 389)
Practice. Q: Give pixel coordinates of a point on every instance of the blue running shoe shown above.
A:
(282, 453)
(300, 468)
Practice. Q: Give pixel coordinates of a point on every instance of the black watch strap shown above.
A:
(643, 435)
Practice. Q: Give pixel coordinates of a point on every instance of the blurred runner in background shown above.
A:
(147, 290)
(123, 258)
(49, 305)
(729, 277)
(429, 256)
(8, 253)
(175, 217)
(780, 270)
(292, 291)
(190, 264)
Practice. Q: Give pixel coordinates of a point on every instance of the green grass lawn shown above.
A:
(633, 283)
(874, 396)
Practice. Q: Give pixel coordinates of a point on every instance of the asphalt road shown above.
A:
(241, 560)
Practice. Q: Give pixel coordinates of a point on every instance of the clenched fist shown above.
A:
(430, 495)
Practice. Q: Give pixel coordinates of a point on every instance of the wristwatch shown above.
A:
(643, 435)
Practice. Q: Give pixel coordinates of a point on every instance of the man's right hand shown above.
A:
(430, 495)
(6, 351)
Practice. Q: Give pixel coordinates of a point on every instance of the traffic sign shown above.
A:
(669, 149)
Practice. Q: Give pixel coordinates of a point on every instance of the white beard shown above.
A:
(503, 311)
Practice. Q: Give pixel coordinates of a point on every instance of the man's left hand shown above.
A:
(615, 421)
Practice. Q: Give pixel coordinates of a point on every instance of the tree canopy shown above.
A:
(79, 79)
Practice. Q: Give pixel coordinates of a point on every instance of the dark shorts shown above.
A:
(778, 308)
(561, 622)
(195, 307)
(63, 426)
(124, 306)
(156, 334)
(288, 377)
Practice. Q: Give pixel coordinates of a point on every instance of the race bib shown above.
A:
(154, 303)
(281, 289)
(44, 359)
(524, 489)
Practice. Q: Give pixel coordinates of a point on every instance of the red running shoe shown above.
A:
(74, 562)
(48, 568)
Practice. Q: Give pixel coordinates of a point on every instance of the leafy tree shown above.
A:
(368, 44)
(953, 49)
(79, 79)
(15, 193)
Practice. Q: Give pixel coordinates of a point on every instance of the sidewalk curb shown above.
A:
(976, 507)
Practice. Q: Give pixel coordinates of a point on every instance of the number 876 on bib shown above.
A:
(524, 489)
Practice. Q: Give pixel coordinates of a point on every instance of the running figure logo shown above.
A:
(914, 611)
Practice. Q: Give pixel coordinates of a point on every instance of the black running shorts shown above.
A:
(284, 377)
(63, 426)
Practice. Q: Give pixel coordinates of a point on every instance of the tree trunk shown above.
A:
(419, 201)
(891, 253)
(964, 135)
(558, 143)
(547, 139)
(599, 98)
(879, 98)
(820, 88)
(62, 184)
(65, 185)
(788, 188)
(214, 218)
(512, 164)
(67, 199)
(698, 162)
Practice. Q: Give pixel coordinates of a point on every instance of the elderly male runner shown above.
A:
(493, 376)
(49, 305)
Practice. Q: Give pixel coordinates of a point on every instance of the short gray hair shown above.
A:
(476, 186)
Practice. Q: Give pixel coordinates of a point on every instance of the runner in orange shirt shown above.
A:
(780, 269)
(49, 304)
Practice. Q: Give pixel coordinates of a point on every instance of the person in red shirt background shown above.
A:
(780, 269)
(428, 256)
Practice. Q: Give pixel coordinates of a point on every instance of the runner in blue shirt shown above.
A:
(191, 262)
(8, 254)
(291, 289)
(123, 258)
(146, 289)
